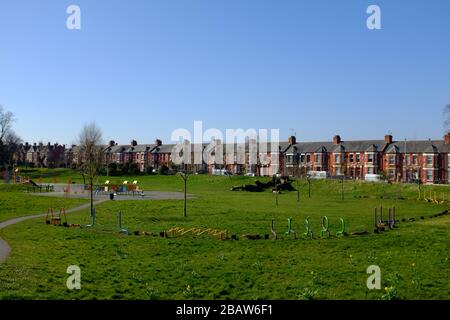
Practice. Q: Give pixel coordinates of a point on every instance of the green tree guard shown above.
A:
(341, 232)
(274, 233)
(92, 218)
(308, 233)
(325, 227)
(288, 232)
(121, 229)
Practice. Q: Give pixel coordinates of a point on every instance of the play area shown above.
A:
(234, 242)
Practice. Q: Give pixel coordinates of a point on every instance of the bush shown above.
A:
(149, 170)
(102, 171)
(163, 170)
(112, 167)
(124, 168)
(133, 169)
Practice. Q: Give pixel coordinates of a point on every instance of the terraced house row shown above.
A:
(401, 161)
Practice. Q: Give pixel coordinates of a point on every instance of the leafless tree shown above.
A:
(11, 146)
(6, 120)
(9, 140)
(90, 141)
(447, 118)
(184, 173)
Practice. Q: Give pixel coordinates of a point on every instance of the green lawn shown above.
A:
(414, 258)
(16, 202)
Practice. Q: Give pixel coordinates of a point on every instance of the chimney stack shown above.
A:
(388, 138)
(292, 140)
(158, 142)
(447, 138)
(134, 143)
(112, 143)
(336, 139)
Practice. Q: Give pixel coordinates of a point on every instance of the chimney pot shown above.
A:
(388, 138)
(447, 138)
(337, 139)
(292, 140)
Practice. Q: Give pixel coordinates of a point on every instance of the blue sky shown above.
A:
(141, 69)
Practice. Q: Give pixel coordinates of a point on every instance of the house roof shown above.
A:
(416, 146)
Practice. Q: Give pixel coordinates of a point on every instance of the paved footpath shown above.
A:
(5, 249)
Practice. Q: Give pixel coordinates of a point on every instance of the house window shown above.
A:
(358, 158)
(351, 157)
(302, 158)
(429, 175)
(318, 158)
(336, 158)
(308, 158)
(338, 171)
(415, 160)
(391, 173)
(408, 159)
(369, 170)
(290, 159)
(391, 160)
(370, 158)
(429, 160)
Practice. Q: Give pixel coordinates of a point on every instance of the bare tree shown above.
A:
(9, 140)
(11, 146)
(184, 174)
(90, 140)
(447, 118)
(6, 120)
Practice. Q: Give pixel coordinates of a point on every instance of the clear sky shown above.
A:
(141, 69)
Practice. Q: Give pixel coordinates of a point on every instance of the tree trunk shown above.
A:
(92, 196)
(185, 186)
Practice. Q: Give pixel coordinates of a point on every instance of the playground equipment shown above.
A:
(442, 201)
(67, 189)
(380, 224)
(121, 229)
(325, 227)
(177, 231)
(432, 197)
(435, 200)
(274, 233)
(33, 186)
(106, 188)
(56, 220)
(308, 233)
(341, 231)
(290, 230)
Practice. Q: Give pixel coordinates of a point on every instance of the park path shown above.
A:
(5, 249)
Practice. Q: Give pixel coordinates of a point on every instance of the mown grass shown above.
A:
(414, 258)
(16, 202)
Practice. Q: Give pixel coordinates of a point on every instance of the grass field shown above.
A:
(414, 258)
(15, 202)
